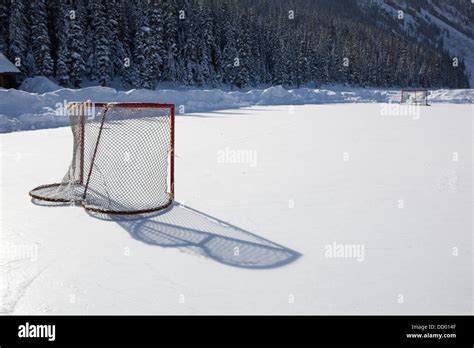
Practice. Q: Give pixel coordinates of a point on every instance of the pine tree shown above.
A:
(170, 33)
(280, 67)
(100, 48)
(302, 64)
(41, 43)
(18, 31)
(76, 44)
(126, 24)
(118, 51)
(189, 53)
(63, 63)
(230, 58)
(4, 23)
(141, 65)
(206, 47)
(256, 43)
(242, 78)
(154, 43)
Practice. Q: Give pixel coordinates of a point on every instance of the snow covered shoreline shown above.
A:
(22, 110)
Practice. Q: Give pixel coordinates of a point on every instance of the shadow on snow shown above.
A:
(183, 227)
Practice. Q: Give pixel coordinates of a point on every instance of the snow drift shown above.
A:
(38, 105)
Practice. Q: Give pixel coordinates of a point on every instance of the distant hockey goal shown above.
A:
(414, 96)
(123, 159)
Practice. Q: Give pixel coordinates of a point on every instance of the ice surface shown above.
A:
(256, 232)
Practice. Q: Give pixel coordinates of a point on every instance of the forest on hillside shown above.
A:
(239, 43)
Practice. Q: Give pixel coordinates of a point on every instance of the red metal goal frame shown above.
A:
(108, 106)
(415, 90)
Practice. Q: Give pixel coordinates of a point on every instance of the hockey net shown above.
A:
(414, 96)
(123, 159)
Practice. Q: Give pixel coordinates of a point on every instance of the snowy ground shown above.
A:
(398, 189)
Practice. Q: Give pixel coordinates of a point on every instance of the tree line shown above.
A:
(239, 43)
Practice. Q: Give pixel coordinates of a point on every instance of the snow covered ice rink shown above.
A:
(311, 180)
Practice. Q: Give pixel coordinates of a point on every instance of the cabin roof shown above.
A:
(6, 66)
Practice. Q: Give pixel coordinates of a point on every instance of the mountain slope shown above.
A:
(442, 24)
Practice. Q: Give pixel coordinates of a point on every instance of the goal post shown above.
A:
(418, 96)
(123, 159)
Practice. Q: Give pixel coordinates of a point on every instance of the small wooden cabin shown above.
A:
(8, 73)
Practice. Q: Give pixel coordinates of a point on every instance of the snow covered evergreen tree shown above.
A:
(126, 32)
(41, 43)
(240, 43)
(242, 78)
(19, 34)
(100, 49)
(230, 59)
(118, 41)
(63, 60)
(154, 43)
(141, 65)
(76, 43)
(206, 47)
(4, 19)
(170, 33)
(189, 62)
